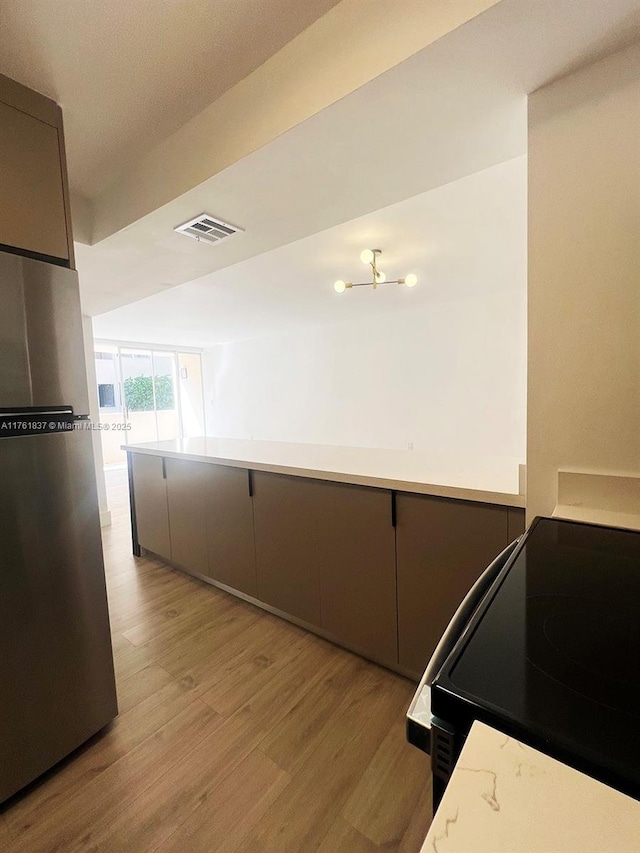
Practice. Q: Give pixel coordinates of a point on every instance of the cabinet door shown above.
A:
(187, 493)
(150, 491)
(325, 553)
(229, 511)
(442, 547)
(287, 563)
(32, 212)
(354, 525)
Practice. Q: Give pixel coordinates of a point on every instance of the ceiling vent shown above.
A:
(207, 228)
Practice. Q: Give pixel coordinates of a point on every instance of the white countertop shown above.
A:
(504, 797)
(486, 479)
(599, 498)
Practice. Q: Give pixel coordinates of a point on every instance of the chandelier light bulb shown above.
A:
(339, 286)
(380, 277)
(411, 280)
(366, 256)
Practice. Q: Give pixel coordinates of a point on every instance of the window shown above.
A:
(107, 396)
(146, 395)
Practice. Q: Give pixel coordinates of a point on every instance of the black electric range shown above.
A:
(552, 655)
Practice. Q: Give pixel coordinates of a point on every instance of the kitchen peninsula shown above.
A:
(373, 549)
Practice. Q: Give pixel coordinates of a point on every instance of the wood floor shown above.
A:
(237, 732)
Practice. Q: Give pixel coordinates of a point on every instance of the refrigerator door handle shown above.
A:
(32, 411)
(35, 420)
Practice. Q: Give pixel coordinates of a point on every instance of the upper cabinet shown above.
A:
(34, 195)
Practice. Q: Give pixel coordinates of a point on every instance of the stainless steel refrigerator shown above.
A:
(57, 685)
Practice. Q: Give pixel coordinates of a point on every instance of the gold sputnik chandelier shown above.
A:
(371, 257)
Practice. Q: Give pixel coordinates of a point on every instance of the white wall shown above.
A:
(449, 377)
(191, 399)
(94, 412)
(584, 276)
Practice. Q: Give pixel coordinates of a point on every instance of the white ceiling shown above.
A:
(130, 72)
(456, 107)
(455, 237)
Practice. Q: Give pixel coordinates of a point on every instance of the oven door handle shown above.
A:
(419, 714)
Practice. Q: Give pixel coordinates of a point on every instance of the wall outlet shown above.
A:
(410, 445)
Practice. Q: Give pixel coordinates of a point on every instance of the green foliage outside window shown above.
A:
(138, 393)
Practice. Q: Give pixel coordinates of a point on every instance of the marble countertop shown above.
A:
(485, 479)
(504, 797)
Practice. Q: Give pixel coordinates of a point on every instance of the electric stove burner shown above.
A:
(583, 646)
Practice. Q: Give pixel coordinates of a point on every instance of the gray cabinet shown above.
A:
(34, 201)
(322, 552)
(356, 549)
(515, 522)
(325, 552)
(442, 547)
(152, 513)
(187, 494)
(287, 562)
(197, 515)
(229, 524)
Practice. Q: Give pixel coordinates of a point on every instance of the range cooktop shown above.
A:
(553, 654)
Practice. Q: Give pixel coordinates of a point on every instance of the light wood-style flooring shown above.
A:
(237, 732)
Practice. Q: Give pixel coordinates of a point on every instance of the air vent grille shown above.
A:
(208, 228)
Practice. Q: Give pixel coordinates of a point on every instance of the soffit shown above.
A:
(128, 73)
